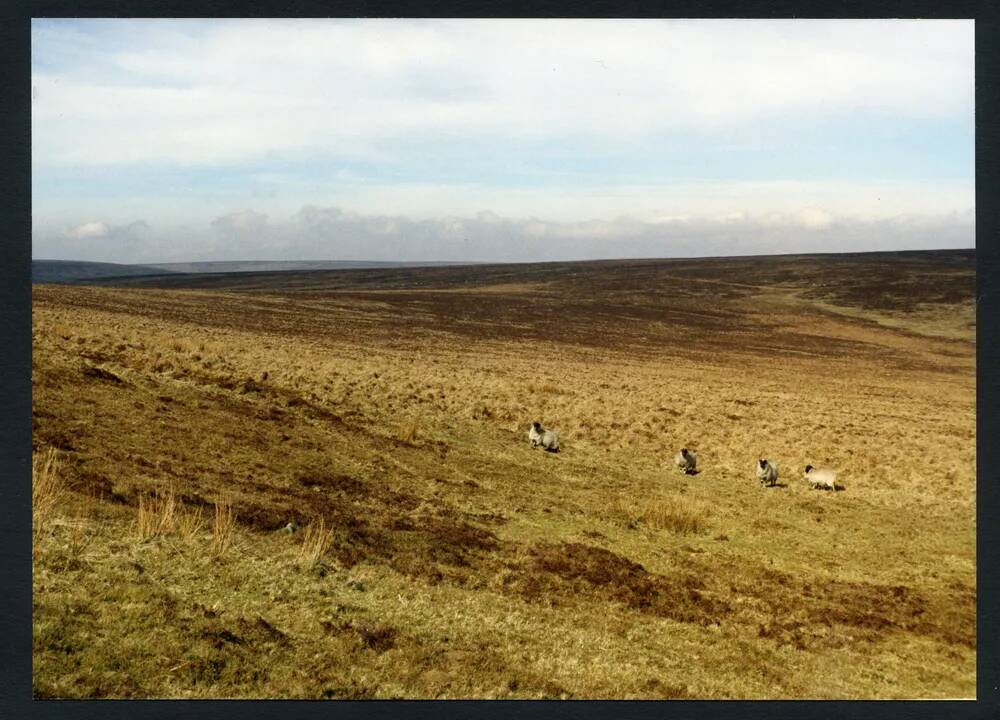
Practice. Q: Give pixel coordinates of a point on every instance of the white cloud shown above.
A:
(814, 218)
(245, 89)
(409, 123)
(94, 240)
(866, 200)
(88, 230)
(245, 221)
(331, 233)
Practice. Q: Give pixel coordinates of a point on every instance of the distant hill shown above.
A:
(70, 271)
(278, 275)
(75, 271)
(874, 275)
(230, 266)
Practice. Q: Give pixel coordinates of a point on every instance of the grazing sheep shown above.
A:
(686, 461)
(767, 472)
(821, 478)
(292, 527)
(535, 433)
(548, 439)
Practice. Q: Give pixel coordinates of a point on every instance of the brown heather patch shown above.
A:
(572, 570)
(375, 636)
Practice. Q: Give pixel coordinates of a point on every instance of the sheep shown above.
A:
(535, 433)
(292, 527)
(821, 478)
(548, 439)
(767, 472)
(686, 461)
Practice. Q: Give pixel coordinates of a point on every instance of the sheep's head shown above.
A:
(536, 425)
(763, 463)
(809, 469)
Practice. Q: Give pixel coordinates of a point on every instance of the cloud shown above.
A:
(96, 240)
(333, 233)
(202, 92)
(99, 230)
(88, 230)
(241, 223)
(499, 139)
(814, 218)
(863, 199)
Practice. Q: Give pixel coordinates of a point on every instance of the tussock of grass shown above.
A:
(190, 523)
(408, 432)
(316, 542)
(675, 516)
(47, 490)
(164, 515)
(223, 528)
(156, 516)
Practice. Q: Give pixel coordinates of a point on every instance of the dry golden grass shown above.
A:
(46, 491)
(156, 516)
(316, 542)
(408, 433)
(446, 558)
(223, 528)
(190, 524)
(676, 515)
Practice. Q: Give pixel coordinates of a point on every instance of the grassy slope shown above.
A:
(463, 564)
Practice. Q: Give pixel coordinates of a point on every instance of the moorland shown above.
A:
(180, 422)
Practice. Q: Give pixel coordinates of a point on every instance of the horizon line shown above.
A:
(515, 262)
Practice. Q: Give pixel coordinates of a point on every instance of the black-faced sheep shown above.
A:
(767, 472)
(821, 478)
(548, 439)
(686, 461)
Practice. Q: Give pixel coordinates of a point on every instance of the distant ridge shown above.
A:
(70, 271)
(810, 269)
(75, 271)
(301, 273)
(229, 266)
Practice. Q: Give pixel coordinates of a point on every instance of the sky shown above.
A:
(499, 140)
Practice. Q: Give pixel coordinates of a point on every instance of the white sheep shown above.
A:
(548, 439)
(535, 433)
(292, 527)
(686, 461)
(821, 478)
(767, 472)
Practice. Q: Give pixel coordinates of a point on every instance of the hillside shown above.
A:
(70, 271)
(190, 418)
